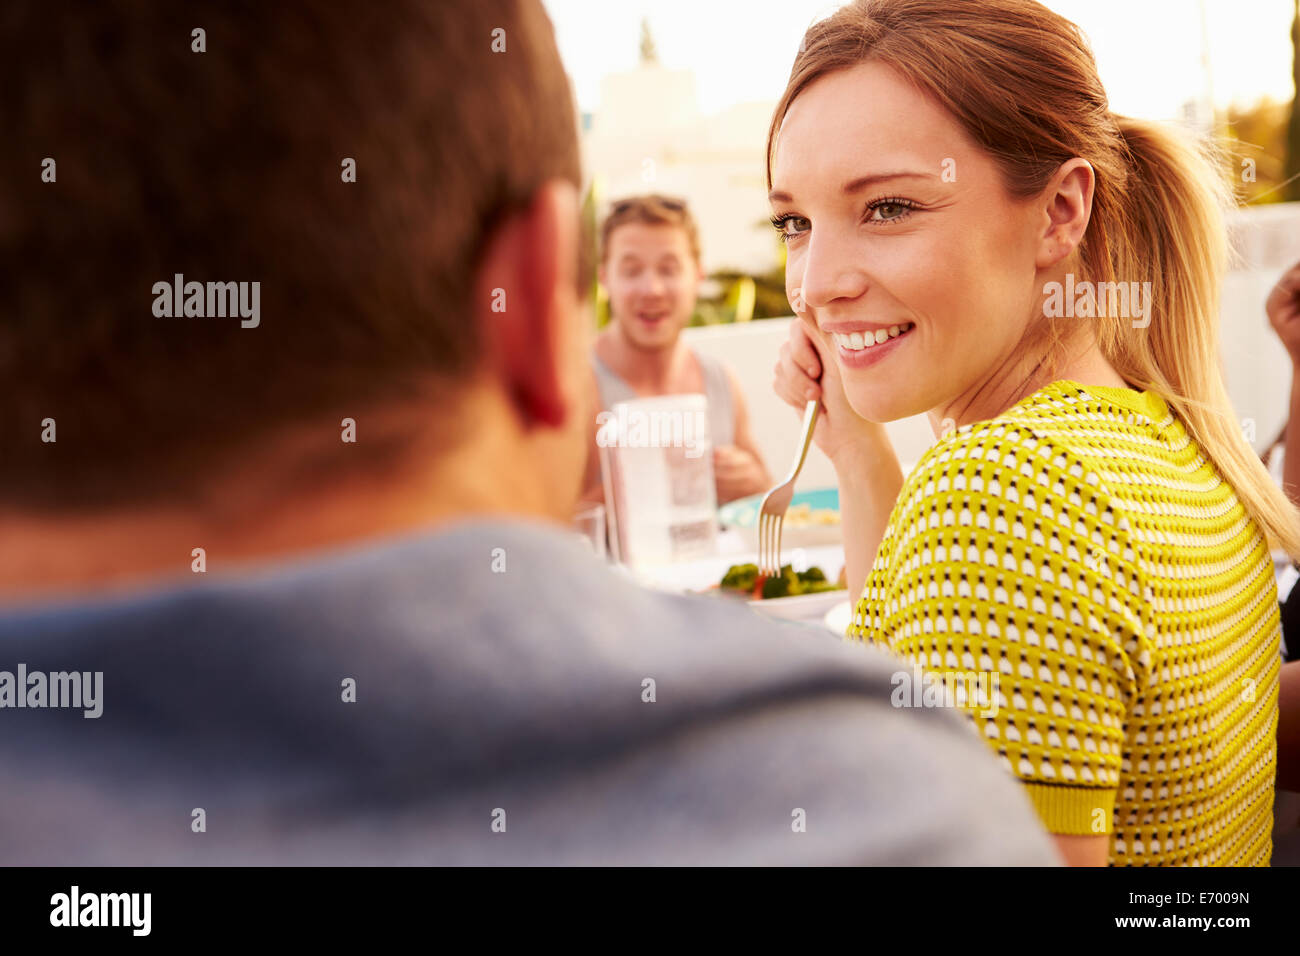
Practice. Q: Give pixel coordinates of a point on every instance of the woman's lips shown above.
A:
(866, 357)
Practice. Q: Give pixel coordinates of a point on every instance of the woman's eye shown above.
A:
(889, 210)
(791, 226)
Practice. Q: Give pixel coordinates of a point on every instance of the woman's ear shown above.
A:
(1067, 208)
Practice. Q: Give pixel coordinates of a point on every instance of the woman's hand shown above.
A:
(806, 371)
(864, 459)
(1283, 307)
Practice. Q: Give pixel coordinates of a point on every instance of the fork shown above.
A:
(771, 515)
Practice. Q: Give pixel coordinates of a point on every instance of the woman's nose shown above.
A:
(830, 271)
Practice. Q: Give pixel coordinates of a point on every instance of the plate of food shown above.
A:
(813, 518)
(790, 594)
(747, 581)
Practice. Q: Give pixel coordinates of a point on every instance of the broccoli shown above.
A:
(812, 587)
(740, 577)
(814, 580)
(789, 583)
(785, 584)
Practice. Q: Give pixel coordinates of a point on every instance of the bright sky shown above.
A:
(1149, 51)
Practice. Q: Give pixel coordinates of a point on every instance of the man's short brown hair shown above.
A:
(227, 165)
(652, 209)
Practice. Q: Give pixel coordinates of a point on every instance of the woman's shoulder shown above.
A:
(1055, 423)
(1024, 457)
(1014, 488)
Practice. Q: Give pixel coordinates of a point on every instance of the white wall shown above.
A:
(1257, 368)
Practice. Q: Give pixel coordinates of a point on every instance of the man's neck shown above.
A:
(649, 371)
(246, 524)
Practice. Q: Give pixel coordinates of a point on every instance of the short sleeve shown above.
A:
(1006, 575)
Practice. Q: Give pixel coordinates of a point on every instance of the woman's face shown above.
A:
(894, 217)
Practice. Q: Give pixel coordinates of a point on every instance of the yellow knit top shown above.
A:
(1076, 575)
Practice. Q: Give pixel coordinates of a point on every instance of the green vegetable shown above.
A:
(785, 584)
(814, 586)
(789, 583)
(740, 577)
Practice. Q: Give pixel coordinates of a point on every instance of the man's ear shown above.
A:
(1067, 208)
(526, 305)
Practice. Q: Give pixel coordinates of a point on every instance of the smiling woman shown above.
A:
(1091, 525)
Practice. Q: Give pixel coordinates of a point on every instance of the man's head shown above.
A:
(650, 263)
(399, 180)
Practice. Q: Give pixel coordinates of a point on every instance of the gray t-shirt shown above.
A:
(717, 394)
(502, 714)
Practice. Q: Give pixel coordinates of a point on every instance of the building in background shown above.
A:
(648, 135)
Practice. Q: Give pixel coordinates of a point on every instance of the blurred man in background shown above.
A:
(317, 560)
(650, 263)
